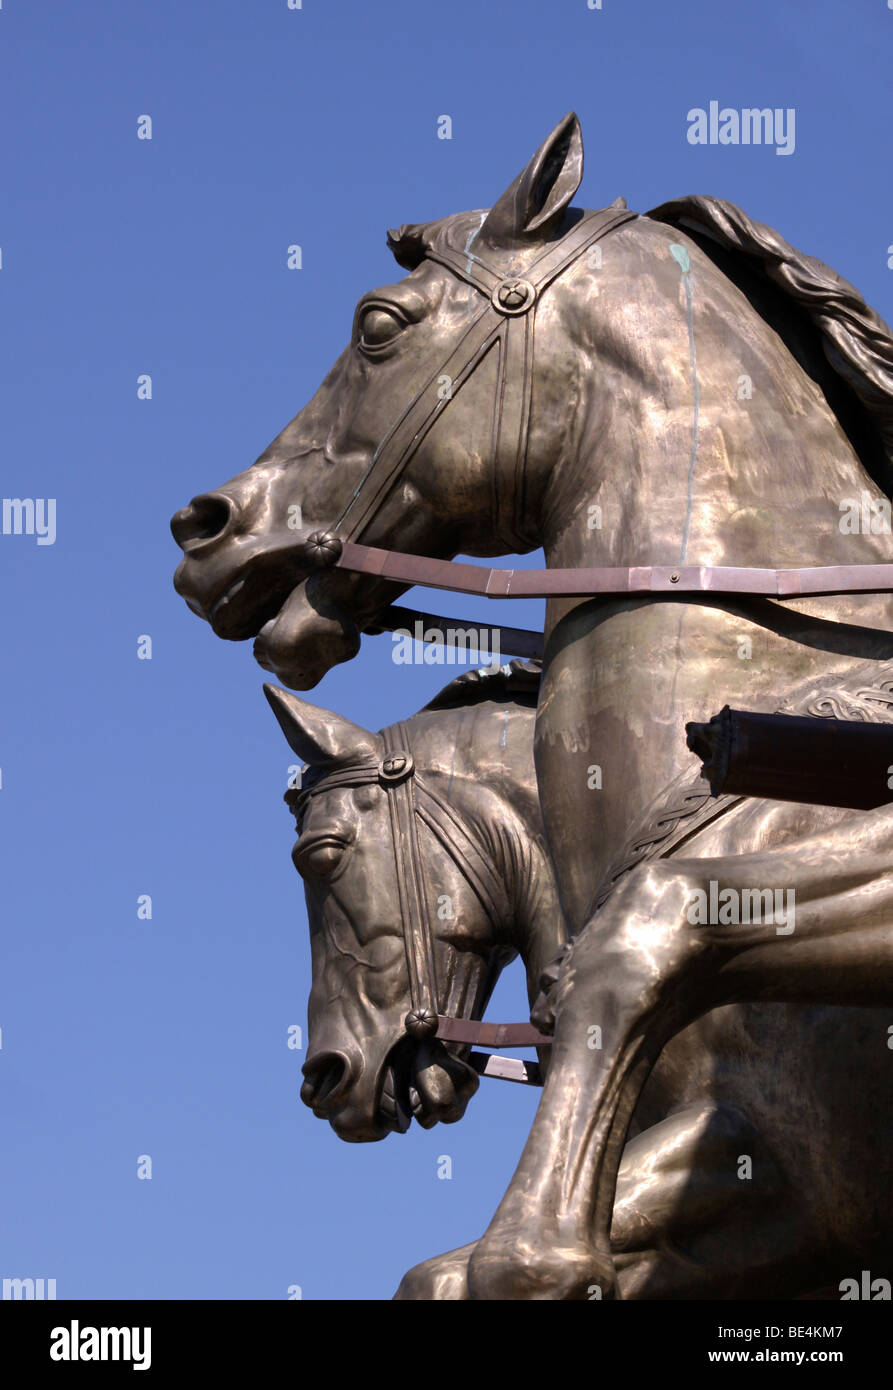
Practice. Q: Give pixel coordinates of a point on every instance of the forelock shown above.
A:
(410, 243)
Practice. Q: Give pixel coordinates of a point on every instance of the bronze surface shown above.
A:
(711, 1097)
(593, 411)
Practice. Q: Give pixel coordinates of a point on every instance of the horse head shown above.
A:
(482, 879)
(428, 356)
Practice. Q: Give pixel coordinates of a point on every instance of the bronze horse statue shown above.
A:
(674, 398)
(687, 1221)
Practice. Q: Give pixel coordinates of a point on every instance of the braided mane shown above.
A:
(518, 680)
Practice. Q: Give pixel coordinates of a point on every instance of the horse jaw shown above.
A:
(312, 632)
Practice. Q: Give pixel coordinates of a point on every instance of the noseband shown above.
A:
(411, 801)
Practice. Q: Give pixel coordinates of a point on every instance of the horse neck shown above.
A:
(681, 427)
(496, 797)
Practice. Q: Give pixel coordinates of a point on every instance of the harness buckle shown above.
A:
(513, 296)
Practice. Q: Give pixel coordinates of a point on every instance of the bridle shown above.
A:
(506, 321)
(413, 802)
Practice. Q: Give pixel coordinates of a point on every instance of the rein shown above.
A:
(324, 550)
(411, 802)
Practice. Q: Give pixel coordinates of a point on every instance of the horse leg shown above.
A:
(550, 1236)
(675, 1179)
(443, 1278)
(658, 968)
(680, 1208)
(687, 1223)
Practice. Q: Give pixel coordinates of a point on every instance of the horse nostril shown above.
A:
(205, 519)
(325, 1076)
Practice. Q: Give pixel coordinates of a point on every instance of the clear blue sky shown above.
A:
(122, 777)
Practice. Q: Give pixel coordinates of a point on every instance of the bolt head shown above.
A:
(513, 295)
(421, 1023)
(395, 767)
(320, 550)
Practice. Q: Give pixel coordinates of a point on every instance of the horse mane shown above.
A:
(855, 341)
(516, 680)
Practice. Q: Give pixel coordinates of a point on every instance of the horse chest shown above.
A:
(618, 688)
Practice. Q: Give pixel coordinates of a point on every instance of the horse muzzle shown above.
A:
(417, 1081)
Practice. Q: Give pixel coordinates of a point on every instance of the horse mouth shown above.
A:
(398, 1099)
(302, 625)
(240, 614)
(425, 1083)
(240, 606)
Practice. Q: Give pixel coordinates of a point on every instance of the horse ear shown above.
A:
(532, 206)
(407, 243)
(319, 736)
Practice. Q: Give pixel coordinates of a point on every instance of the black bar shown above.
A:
(223, 1340)
(787, 757)
(513, 641)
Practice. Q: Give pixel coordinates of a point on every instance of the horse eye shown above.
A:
(378, 327)
(320, 858)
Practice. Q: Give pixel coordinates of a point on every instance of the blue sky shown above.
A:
(122, 777)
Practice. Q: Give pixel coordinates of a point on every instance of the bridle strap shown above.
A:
(410, 801)
(507, 323)
(813, 581)
(467, 1030)
(403, 439)
(414, 909)
(507, 299)
(512, 428)
(459, 839)
(550, 263)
